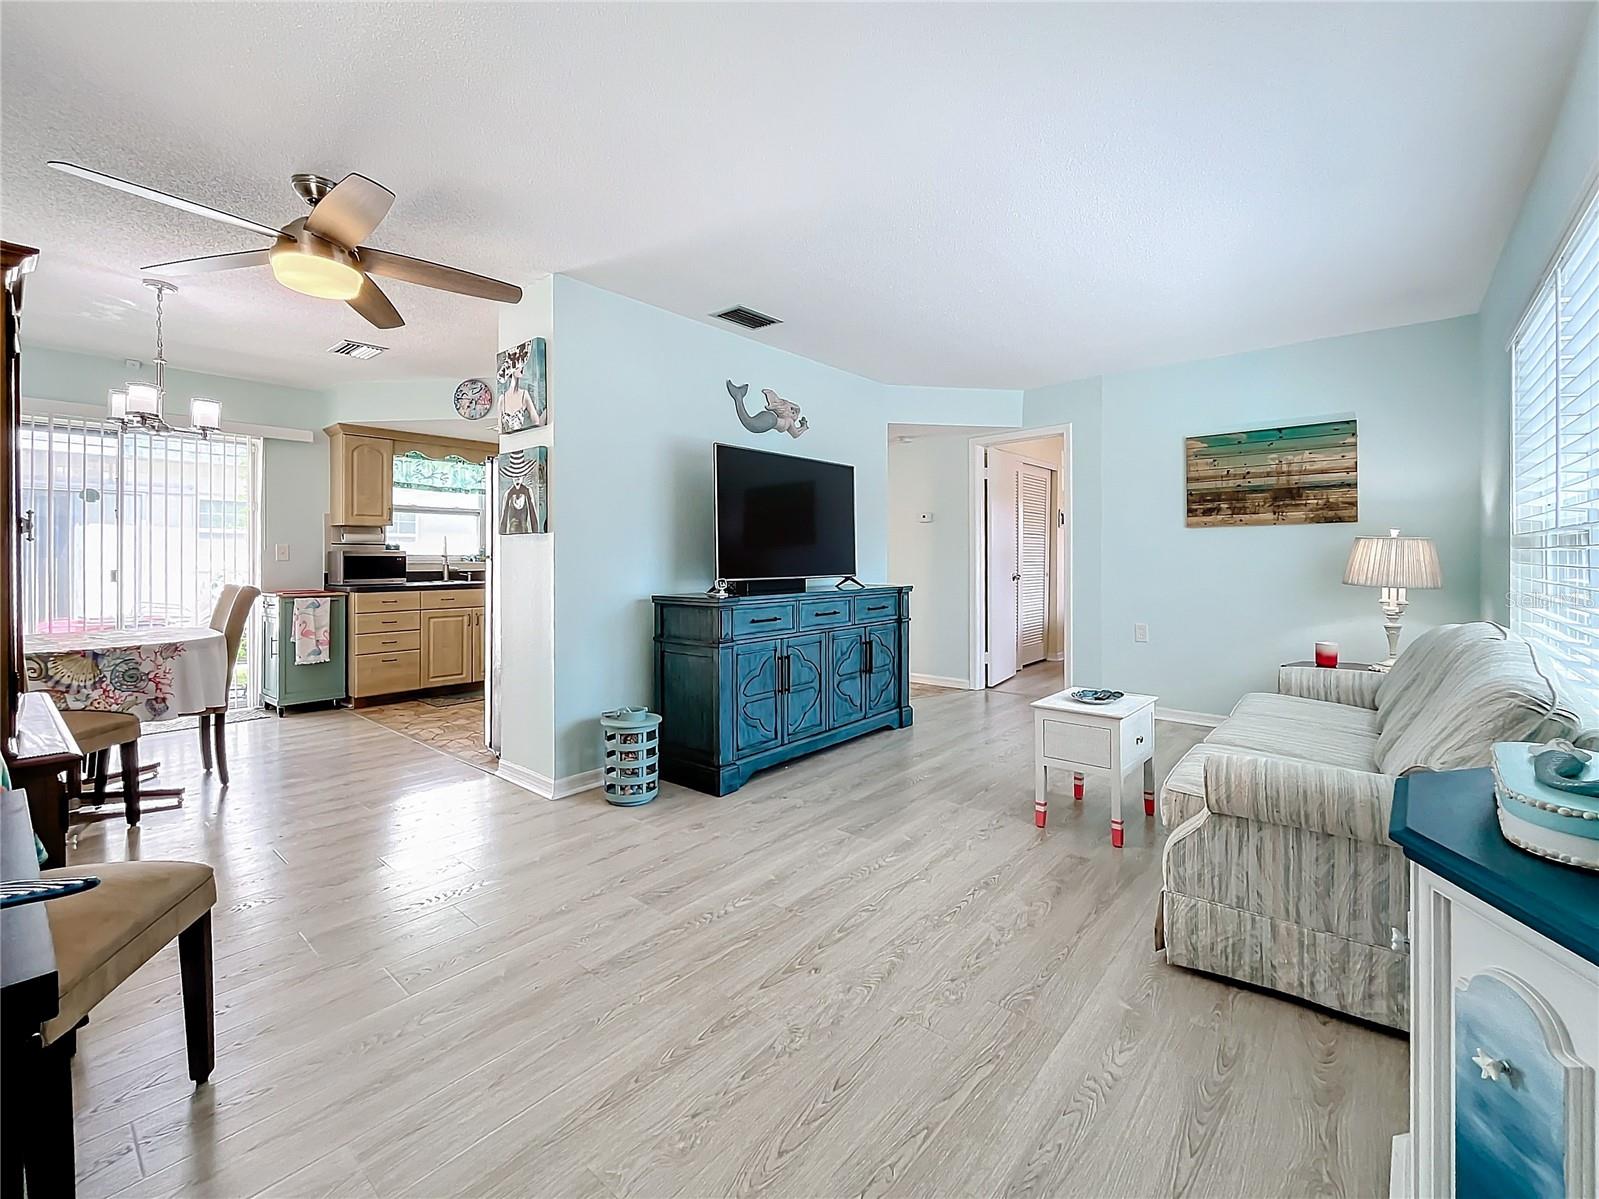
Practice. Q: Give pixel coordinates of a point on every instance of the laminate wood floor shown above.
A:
(865, 973)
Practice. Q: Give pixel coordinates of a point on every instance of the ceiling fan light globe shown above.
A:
(305, 268)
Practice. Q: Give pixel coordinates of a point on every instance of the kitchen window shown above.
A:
(438, 506)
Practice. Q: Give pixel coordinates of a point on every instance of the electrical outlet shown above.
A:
(1140, 631)
(280, 552)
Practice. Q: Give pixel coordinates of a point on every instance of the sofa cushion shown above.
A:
(1421, 668)
(1308, 730)
(1483, 690)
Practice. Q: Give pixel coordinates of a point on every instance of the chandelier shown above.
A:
(139, 403)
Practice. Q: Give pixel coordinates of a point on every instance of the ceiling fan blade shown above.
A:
(150, 193)
(431, 274)
(348, 214)
(371, 303)
(210, 263)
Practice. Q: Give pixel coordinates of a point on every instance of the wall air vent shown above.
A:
(747, 317)
(357, 349)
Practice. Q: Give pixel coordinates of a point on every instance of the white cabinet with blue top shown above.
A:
(1504, 1004)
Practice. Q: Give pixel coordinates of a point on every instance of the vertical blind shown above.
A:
(1554, 552)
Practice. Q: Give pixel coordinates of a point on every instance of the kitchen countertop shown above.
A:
(422, 585)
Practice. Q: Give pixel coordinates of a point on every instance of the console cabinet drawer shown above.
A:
(763, 621)
(387, 622)
(379, 674)
(875, 607)
(823, 613)
(387, 643)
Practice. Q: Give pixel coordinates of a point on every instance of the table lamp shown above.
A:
(1393, 563)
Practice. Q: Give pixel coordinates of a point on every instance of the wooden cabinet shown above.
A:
(447, 647)
(362, 479)
(746, 683)
(411, 640)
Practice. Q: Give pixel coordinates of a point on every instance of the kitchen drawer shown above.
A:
(822, 613)
(1083, 744)
(452, 597)
(387, 622)
(875, 607)
(387, 643)
(379, 674)
(363, 602)
(763, 621)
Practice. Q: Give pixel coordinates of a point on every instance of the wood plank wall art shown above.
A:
(1292, 475)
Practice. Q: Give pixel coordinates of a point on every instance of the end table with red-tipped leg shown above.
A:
(1106, 740)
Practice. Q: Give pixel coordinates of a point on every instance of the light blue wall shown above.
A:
(1225, 605)
(903, 405)
(1564, 179)
(637, 398)
(932, 475)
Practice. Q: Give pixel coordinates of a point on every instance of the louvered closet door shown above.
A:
(1032, 554)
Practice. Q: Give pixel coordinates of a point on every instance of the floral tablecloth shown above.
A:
(152, 673)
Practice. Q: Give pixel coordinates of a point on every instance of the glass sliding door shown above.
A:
(136, 529)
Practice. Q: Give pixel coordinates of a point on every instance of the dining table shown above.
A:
(151, 673)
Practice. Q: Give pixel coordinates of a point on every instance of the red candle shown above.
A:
(1327, 653)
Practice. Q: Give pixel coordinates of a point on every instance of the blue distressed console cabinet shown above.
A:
(747, 682)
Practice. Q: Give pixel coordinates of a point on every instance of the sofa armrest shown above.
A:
(1326, 799)
(1353, 688)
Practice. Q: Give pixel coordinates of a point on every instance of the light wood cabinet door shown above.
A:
(363, 480)
(446, 648)
(477, 645)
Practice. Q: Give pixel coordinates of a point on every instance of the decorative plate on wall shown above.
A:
(474, 399)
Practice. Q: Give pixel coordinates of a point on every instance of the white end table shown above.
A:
(1112, 738)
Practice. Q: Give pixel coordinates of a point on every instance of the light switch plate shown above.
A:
(1140, 631)
(925, 518)
(280, 552)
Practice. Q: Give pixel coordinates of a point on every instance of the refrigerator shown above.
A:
(493, 505)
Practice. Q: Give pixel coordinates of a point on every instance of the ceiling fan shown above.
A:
(320, 255)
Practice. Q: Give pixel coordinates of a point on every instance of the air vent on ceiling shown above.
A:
(356, 349)
(747, 317)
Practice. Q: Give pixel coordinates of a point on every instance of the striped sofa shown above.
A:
(1278, 870)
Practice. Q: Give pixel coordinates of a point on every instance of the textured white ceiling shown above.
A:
(962, 195)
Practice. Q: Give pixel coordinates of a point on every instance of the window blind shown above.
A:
(1554, 547)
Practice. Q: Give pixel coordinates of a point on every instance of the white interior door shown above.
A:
(1004, 565)
(1032, 557)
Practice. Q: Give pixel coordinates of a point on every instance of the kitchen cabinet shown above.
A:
(362, 472)
(447, 647)
(415, 639)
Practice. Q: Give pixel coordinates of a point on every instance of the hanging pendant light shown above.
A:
(139, 402)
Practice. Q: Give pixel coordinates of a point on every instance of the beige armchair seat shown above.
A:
(1278, 871)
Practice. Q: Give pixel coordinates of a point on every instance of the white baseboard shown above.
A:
(1184, 716)
(941, 680)
(543, 785)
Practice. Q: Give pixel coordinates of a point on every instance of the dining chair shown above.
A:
(230, 623)
(97, 734)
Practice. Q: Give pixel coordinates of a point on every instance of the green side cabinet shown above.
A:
(285, 685)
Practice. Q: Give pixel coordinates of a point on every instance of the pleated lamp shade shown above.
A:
(1394, 561)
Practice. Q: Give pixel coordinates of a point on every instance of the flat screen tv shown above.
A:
(782, 517)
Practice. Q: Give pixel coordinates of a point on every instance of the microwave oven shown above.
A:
(358, 565)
